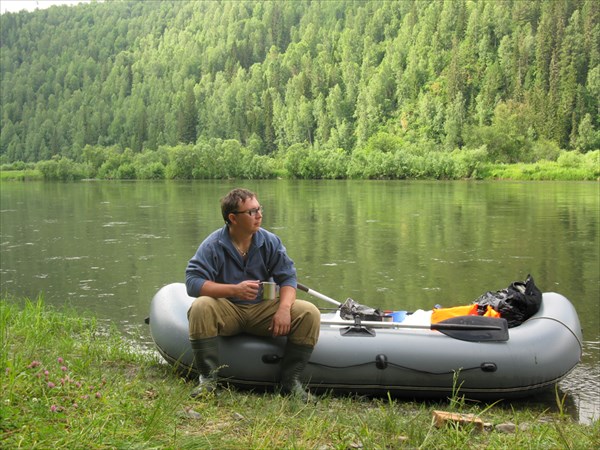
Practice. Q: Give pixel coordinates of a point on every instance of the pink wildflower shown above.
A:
(98, 395)
(51, 384)
(60, 360)
(63, 368)
(33, 364)
(53, 408)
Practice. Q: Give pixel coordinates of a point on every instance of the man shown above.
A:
(225, 275)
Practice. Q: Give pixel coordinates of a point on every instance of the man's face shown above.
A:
(249, 214)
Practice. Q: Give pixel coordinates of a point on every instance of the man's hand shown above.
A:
(282, 321)
(247, 290)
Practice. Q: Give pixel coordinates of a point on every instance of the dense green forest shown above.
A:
(309, 89)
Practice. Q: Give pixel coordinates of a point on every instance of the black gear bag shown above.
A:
(517, 303)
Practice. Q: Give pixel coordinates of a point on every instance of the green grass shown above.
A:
(21, 175)
(72, 382)
(541, 171)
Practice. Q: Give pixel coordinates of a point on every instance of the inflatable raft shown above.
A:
(381, 358)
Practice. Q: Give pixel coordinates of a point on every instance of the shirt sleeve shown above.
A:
(202, 267)
(282, 266)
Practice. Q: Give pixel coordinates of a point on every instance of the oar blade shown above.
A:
(474, 328)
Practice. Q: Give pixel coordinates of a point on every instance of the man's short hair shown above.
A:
(231, 201)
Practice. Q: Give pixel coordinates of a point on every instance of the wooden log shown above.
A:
(442, 418)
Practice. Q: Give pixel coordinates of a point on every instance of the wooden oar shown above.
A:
(465, 328)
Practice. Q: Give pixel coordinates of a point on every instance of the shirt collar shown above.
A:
(225, 239)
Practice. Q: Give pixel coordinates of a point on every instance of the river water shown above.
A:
(105, 248)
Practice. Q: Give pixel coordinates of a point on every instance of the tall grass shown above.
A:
(68, 381)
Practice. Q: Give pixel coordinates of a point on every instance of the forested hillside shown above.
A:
(333, 89)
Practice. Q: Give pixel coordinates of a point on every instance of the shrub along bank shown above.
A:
(385, 157)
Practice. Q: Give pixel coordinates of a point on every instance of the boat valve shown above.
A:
(271, 359)
(488, 367)
(381, 361)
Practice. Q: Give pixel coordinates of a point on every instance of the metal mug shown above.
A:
(269, 290)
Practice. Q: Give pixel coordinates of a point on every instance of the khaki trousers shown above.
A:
(209, 317)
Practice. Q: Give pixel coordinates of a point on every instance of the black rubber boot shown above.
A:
(293, 363)
(206, 359)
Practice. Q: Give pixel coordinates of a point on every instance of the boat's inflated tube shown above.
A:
(399, 361)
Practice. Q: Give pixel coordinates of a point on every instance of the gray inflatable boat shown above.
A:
(380, 358)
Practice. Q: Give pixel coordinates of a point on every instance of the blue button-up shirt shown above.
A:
(217, 260)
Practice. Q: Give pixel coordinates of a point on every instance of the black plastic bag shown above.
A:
(351, 309)
(516, 304)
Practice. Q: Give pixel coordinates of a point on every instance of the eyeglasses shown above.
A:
(251, 212)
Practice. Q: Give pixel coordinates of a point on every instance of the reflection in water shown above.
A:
(107, 247)
(581, 389)
(557, 400)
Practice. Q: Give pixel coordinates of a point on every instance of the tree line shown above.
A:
(312, 89)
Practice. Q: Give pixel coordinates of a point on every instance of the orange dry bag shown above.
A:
(441, 314)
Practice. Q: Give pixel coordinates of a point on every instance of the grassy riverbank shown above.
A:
(72, 382)
(21, 175)
(186, 163)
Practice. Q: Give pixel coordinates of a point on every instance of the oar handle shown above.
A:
(317, 294)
